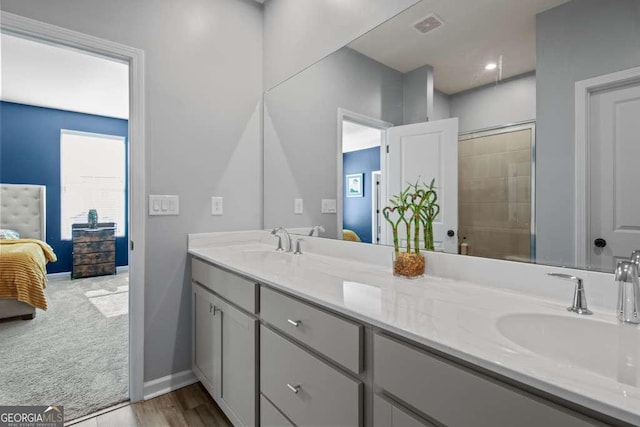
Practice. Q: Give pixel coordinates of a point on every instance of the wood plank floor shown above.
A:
(188, 406)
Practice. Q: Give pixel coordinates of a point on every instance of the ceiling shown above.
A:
(39, 74)
(359, 137)
(474, 33)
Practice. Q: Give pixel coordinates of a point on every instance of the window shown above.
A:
(93, 176)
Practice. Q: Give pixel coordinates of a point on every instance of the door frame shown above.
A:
(583, 91)
(51, 34)
(507, 128)
(376, 179)
(344, 114)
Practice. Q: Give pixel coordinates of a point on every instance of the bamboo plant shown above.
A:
(416, 207)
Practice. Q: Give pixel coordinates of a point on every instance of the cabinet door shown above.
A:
(386, 414)
(204, 335)
(237, 338)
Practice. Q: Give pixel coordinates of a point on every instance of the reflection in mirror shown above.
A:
(524, 113)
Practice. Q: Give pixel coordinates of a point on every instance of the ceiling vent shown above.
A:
(429, 24)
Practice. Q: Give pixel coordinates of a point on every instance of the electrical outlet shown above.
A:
(298, 207)
(216, 206)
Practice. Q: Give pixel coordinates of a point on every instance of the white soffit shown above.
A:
(40, 74)
(358, 137)
(474, 33)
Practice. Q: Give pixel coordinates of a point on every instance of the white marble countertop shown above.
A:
(455, 317)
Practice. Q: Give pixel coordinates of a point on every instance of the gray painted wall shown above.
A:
(298, 33)
(416, 85)
(576, 41)
(441, 105)
(204, 87)
(300, 132)
(511, 101)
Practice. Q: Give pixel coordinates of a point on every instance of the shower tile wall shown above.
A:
(494, 205)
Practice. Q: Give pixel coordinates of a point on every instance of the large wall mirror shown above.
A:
(525, 113)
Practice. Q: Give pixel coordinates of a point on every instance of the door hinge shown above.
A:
(387, 149)
(131, 244)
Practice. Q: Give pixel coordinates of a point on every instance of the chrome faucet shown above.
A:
(298, 249)
(275, 232)
(579, 298)
(628, 290)
(317, 228)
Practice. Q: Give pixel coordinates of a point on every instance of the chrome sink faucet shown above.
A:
(275, 232)
(316, 230)
(579, 298)
(628, 289)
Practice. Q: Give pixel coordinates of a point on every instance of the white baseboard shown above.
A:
(67, 275)
(167, 384)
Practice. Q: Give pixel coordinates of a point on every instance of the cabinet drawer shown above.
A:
(333, 336)
(93, 258)
(308, 391)
(440, 389)
(232, 287)
(91, 247)
(93, 236)
(270, 416)
(386, 414)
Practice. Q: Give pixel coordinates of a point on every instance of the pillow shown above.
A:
(9, 234)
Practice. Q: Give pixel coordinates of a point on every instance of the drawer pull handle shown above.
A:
(293, 388)
(295, 323)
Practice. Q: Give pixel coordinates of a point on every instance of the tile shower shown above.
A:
(495, 197)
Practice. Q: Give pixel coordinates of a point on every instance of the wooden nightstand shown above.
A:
(94, 250)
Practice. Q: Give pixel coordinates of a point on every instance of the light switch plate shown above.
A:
(217, 207)
(164, 204)
(298, 207)
(329, 206)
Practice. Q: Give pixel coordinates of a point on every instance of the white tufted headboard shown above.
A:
(22, 208)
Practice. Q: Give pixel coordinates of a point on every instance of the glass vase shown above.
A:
(409, 265)
(92, 218)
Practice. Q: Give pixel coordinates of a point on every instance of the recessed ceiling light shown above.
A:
(491, 66)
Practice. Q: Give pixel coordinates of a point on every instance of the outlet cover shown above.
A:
(329, 206)
(217, 206)
(298, 206)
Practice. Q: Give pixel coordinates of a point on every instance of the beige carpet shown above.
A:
(74, 354)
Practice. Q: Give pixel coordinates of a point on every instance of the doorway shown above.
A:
(359, 160)
(134, 58)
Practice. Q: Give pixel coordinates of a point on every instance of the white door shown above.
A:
(427, 151)
(614, 175)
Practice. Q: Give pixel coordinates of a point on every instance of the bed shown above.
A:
(22, 208)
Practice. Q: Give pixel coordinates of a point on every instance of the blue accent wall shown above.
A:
(357, 210)
(30, 154)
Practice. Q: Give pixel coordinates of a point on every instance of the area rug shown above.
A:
(74, 354)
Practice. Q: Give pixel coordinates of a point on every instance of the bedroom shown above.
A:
(64, 153)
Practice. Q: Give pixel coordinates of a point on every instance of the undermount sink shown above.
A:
(608, 349)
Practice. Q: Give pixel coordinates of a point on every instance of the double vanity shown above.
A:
(330, 338)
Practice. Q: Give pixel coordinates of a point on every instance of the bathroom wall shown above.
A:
(358, 210)
(575, 41)
(300, 132)
(298, 33)
(30, 154)
(203, 93)
(511, 101)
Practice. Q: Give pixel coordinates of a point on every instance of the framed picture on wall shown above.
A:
(355, 185)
